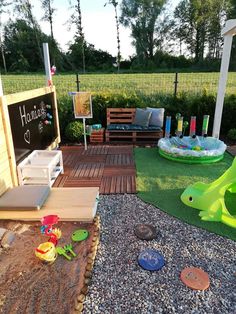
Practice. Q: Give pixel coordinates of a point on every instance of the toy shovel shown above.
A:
(62, 251)
(68, 248)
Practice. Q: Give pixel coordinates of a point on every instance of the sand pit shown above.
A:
(27, 285)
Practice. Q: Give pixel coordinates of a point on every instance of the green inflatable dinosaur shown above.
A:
(209, 198)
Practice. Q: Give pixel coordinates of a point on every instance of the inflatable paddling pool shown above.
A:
(192, 150)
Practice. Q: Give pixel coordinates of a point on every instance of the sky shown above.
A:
(98, 24)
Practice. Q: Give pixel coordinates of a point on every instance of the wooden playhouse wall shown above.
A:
(5, 170)
(8, 167)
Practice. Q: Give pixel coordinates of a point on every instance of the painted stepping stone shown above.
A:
(145, 232)
(151, 260)
(79, 235)
(195, 278)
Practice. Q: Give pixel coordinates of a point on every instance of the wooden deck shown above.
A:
(111, 168)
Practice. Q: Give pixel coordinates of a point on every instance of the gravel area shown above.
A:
(120, 285)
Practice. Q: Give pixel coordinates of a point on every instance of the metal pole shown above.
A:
(47, 65)
(85, 139)
(77, 82)
(84, 125)
(176, 84)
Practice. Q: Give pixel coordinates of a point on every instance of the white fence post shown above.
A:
(228, 32)
(47, 65)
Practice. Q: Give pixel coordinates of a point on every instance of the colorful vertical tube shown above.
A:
(180, 127)
(192, 131)
(168, 126)
(205, 125)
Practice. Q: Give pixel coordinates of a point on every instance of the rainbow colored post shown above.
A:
(205, 125)
(179, 131)
(168, 126)
(192, 131)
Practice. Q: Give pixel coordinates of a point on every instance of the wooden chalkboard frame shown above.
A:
(8, 100)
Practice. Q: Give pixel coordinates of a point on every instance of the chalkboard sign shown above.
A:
(32, 124)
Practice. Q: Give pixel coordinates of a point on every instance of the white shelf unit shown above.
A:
(40, 168)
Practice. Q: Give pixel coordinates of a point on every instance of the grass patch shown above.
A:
(161, 182)
(143, 83)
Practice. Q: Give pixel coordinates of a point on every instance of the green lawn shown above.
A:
(161, 183)
(126, 83)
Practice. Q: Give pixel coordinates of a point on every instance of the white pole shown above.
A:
(222, 84)
(47, 64)
(85, 138)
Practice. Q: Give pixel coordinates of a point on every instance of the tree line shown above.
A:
(190, 38)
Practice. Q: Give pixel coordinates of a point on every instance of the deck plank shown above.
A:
(111, 168)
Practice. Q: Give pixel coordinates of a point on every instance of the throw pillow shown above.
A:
(142, 117)
(157, 116)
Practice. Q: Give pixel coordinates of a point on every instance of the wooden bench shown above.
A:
(124, 117)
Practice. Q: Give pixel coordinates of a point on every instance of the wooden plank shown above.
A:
(120, 115)
(115, 171)
(82, 182)
(96, 150)
(119, 159)
(21, 96)
(7, 138)
(113, 185)
(60, 181)
(133, 184)
(122, 149)
(118, 184)
(121, 120)
(70, 204)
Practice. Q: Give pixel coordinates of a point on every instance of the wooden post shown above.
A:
(228, 32)
(47, 65)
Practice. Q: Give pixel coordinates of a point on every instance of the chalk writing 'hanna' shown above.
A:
(27, 117)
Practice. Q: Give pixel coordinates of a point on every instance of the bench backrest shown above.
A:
(120, 115)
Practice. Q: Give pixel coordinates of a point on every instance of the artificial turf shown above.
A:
(161, 182)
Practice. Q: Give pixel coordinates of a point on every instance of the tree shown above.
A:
(24, 9)
(181, 29)
(198, 25)
(21, 48)
(232, 15)
(192, 18)
(48, 13)
(3, 5)
(115, 3)
(141, 16)
(76, 19)
(96, 59)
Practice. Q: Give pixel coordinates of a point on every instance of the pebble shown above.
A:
(7, 239)
(119, 285)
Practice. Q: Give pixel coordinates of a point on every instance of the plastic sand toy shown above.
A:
(150, 259)
(47, 251)
(79, 235)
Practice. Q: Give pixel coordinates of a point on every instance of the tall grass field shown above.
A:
(146, 84)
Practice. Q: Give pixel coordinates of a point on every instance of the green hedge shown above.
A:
(187, 105)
